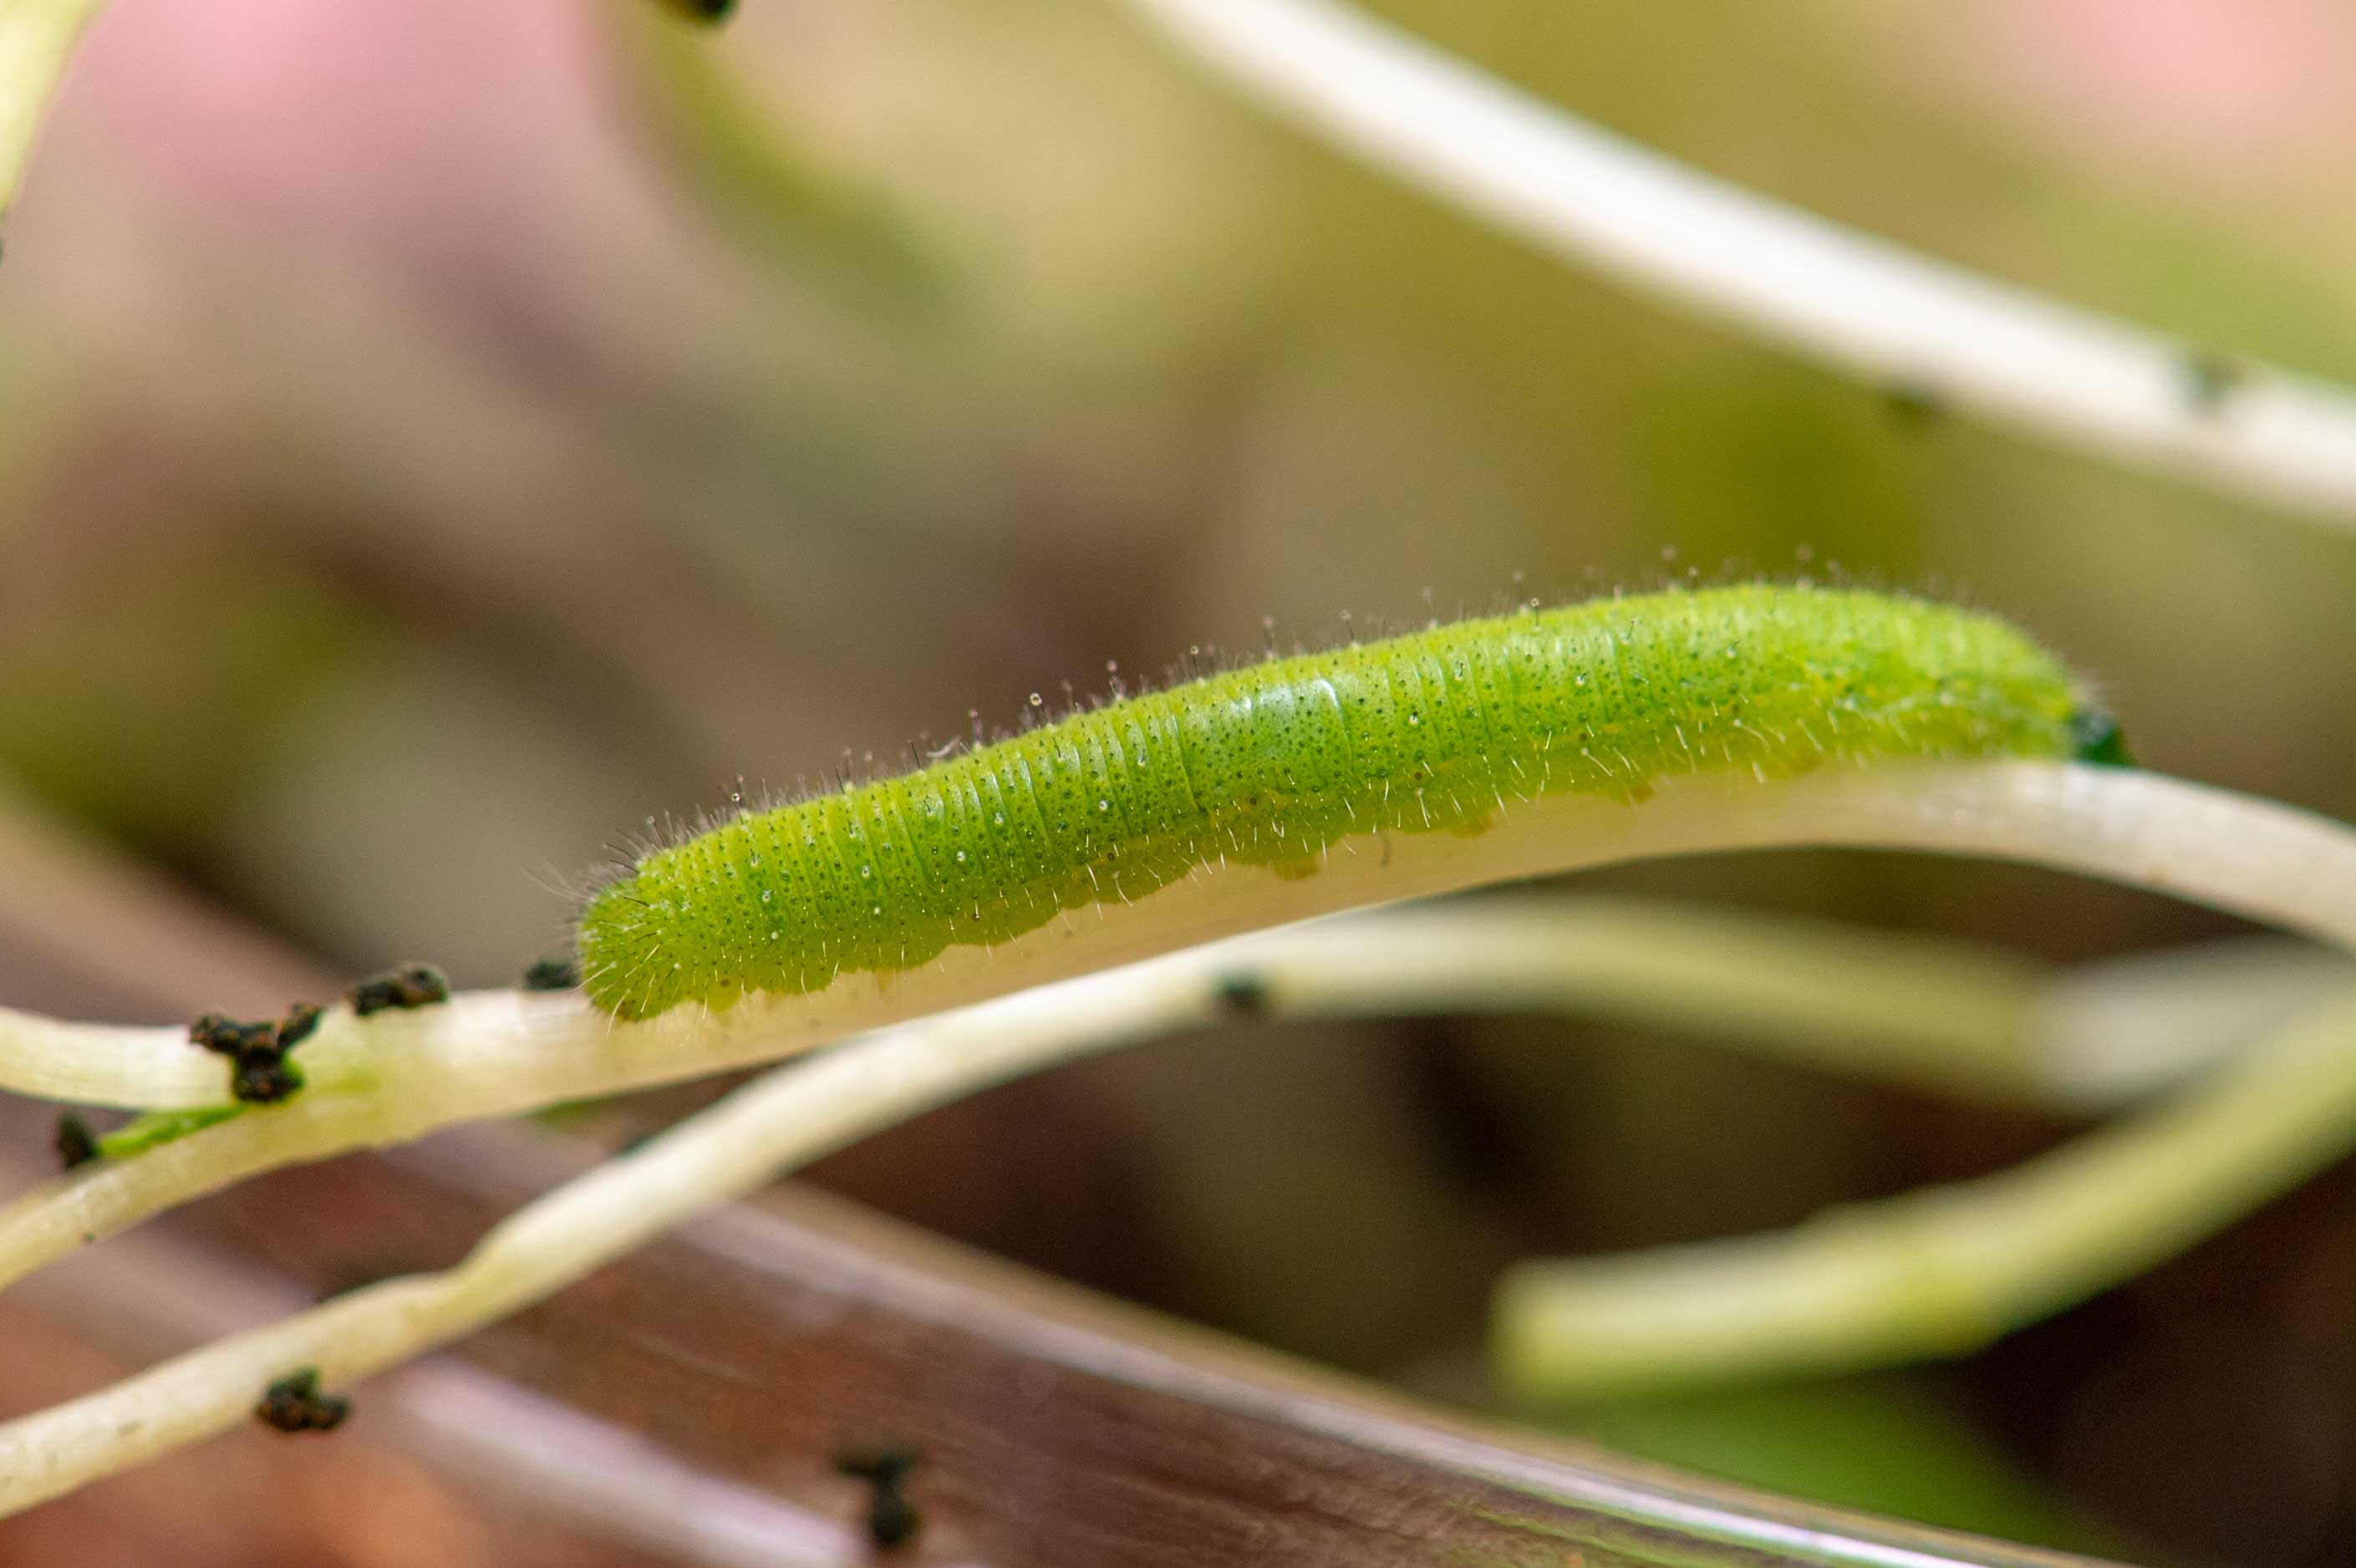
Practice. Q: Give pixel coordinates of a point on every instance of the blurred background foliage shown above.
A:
(437, 438)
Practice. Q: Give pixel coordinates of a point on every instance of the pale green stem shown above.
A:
(2250, 857)
(1944, 1270)
(504, 1051)
(36, 37)
(1924, 1013)
(397, 1075)
(794, 1115)
(2120, 1030)
(1927, 1012)
(1842, 298)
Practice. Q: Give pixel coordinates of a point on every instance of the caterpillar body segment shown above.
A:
(1273, 763)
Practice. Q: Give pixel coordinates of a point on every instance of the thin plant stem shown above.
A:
(397, 1076)
(492, 1053)
(1858, 304)
(2247, 855)
(1944, 1270)
(796, 1114)
(1945, 1017)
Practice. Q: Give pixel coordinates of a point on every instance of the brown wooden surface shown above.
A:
(1055, 1428)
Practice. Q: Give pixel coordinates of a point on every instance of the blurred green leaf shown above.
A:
(1883, 1445)
(143, 712)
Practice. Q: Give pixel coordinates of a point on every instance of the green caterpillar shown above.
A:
(1273, 763)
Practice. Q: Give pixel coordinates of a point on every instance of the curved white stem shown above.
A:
(1946, 1271)
(2251, 856)
(1860, 305)
(397, 1076)
(796, 1114)
(492, 1053)
(1945, 1017)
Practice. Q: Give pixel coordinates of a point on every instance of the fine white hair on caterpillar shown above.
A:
(1275, 763)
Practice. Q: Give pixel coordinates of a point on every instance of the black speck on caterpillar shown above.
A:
(1271, 764)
